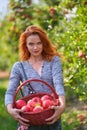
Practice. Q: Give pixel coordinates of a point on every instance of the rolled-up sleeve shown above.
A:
(14, 82)
(58, 76)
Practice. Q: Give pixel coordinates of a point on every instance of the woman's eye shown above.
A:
(31, 44)
(39, 43)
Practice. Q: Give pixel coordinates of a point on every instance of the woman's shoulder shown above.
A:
(56, 59)
(17, 65)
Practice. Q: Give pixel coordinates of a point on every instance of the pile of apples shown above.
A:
(37, 104)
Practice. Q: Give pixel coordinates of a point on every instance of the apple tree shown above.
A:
(65, 23)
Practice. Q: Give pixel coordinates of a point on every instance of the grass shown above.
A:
(6, 121)
(69, 118)
(75, 116)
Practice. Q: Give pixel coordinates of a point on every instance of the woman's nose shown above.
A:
(35, 46)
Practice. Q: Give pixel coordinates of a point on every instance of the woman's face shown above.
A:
(34, 45)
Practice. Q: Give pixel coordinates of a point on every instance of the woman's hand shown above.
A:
(15, 113)
(58, 111)
(55, 116)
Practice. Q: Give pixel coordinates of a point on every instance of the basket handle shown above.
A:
(38, 80)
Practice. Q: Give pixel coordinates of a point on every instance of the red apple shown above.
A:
(36, 101)
(38, 109)
(11, 19)
(81, 54)
(20, 103)
(85, 107)
(26, 108)
(85, 3)
(81, 118)
(45, 97)
(47, 103)
(52, 10)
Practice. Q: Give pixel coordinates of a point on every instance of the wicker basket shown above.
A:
(36, 118)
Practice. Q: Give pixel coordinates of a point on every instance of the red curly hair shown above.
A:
(49, 50)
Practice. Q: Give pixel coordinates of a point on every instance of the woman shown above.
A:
(40, 60)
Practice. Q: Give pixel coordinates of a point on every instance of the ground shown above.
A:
(4, 74)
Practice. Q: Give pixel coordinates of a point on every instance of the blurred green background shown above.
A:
(65, 23)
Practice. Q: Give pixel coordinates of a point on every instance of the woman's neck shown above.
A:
(35, 59)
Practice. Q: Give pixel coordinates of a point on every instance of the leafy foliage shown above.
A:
(65, 23)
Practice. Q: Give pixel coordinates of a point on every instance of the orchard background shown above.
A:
(65, 22)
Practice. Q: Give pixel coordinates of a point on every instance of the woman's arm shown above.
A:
(59, 88)
(57, 76)
(14, 81)
(62, 103)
